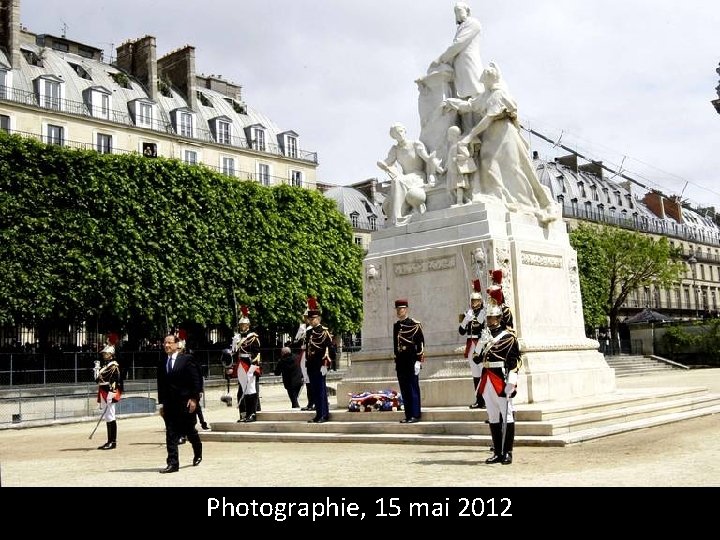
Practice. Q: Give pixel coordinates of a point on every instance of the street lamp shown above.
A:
(692, 261)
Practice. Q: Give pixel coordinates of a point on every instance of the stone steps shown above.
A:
(547, 424)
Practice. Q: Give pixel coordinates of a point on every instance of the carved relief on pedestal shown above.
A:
(428, 265)
(574, 280)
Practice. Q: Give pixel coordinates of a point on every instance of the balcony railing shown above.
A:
(8, 93)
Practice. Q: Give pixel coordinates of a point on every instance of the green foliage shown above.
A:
(709, 341)
(594, 280)
(145, 241)
(627, 261)
(676, 340)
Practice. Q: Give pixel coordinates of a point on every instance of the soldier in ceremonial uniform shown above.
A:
(109, 382)
(496, 296)
(472, 327)
(246, 350)
(409, 352)
(299, 343)
(500, 358)
(319, 356)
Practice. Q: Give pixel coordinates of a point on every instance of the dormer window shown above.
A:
(81, 71)
(239, 108)
(99, 101)
(184, 122)
(258, 140)
(222, 129)
(289, 143)
(5, 83)
(618, 198)
(32, 58)
(143, 111)
(50, 90)
(581, 187)
(354, 220)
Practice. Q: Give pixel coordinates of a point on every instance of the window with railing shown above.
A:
(185, 124)
(291, 146)
(228, 166)
(144, 114)
(104, 143)
(55, 135)
(224, 133)
(50, 94)
(264, 174)
(191, 157)
(258, 142)
(3, 83)
(296, 178)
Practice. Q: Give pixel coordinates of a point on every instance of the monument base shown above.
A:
(432, 260)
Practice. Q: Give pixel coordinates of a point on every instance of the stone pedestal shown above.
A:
(432, 261)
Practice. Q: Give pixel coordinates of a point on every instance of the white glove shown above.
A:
(110, 397)
(509, 388)
(418, 367)
(468, 317)
(323, 370)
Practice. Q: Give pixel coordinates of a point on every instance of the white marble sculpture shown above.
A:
(460, 168)
(410, 167)
(506, 170)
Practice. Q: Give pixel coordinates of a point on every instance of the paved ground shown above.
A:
(679, 454)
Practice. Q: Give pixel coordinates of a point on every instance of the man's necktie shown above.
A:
(169, 364)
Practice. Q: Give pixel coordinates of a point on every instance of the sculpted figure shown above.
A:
(463, 56)
(407, 184)
(460, 167)
(506, 170)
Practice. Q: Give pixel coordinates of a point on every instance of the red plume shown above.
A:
(245, 311)
(496, 276)
(182, 334)
(312, 303)
(495, 292)
(113, 338)
(477, 287)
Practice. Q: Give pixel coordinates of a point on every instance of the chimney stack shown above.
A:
(139, 58)
(10, 30)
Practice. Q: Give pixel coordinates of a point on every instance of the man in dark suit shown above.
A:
(179, 386)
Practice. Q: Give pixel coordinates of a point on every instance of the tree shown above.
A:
(626, 261)
(149, 243)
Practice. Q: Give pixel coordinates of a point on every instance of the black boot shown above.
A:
(496, 433)
(509, 441)
(112, 436)
(251, 407)
(479, 401)
(311, 405)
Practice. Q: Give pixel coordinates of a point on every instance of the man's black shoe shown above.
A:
(169, 469)
(494, 459)
(474, 406)
(182, 440)
(107, 446)
(197, 460)
(413, 420)
(321, 420)
(308, 408)
(250, 418)
(507, 458)
(313, 421)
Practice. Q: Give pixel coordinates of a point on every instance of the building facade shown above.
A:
(62, 92)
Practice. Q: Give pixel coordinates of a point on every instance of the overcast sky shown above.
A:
(628, 82)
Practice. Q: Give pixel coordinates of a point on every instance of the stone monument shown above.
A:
(507, 222)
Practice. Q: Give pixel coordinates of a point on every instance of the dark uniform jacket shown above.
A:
(408, 344)
(319, 348)
(501, 356)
